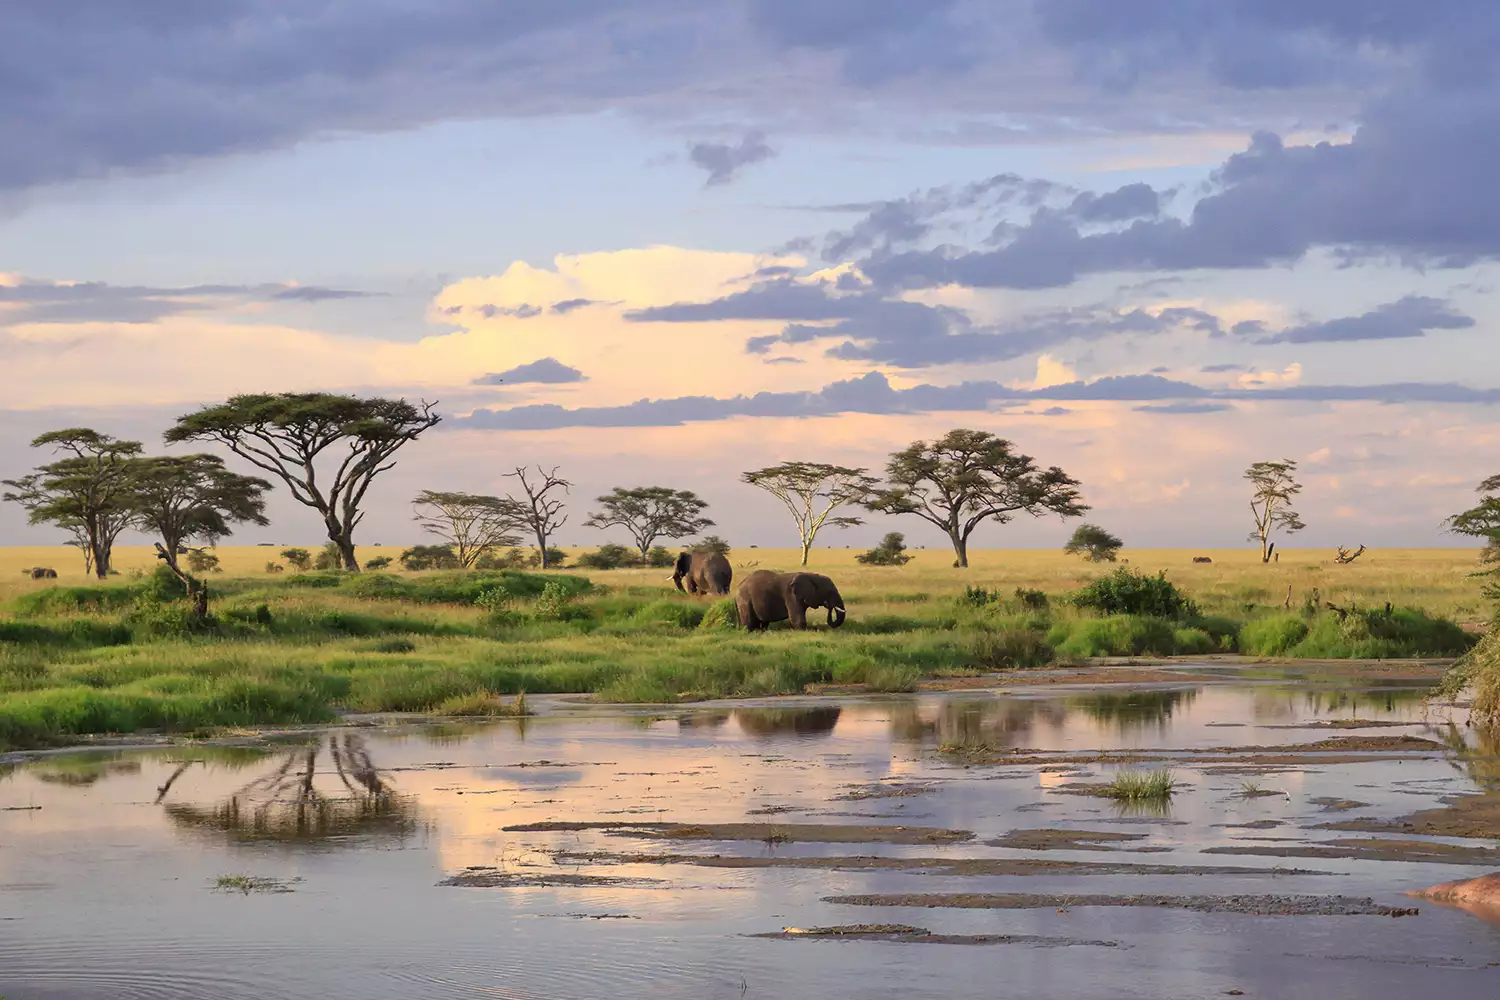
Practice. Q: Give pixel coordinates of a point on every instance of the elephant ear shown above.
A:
(804, 588)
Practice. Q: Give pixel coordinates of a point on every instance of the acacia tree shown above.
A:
(1273, 486)
(805, 487)
(1094, 544)
(1482, 520)
(188, 497)
(84, 493)
(470, 523)
(968, 477)
(297, 436)
(651, 512)
(536, 509)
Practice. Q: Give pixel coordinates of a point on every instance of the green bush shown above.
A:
(378, 563)
(611, 556)
(298, 559)
(553, 604)
(890, 552)
(660, 558)
(329, 557)
(1130, 592)
(1117, 635)
(1276, 635)
(509, 559)
(721, 614)
(1034, 599)
(68, 600)
(1193, 641)
(556, 558)
(420, 557)
(1011, 647)
(977, 597)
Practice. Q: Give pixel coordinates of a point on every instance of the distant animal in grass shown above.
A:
(1202, 559)
(41, 573)
(767, 596)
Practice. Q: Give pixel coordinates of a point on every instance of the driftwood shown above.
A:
(1345, 556)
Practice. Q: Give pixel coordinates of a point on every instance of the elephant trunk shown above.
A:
(835, 616)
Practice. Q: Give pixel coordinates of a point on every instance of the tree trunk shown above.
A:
(101, 559)
(346, 553)
(807, 545)
(960, 549)
(541, 547)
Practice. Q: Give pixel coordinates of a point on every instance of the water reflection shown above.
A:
(82, 770)
(1133, 711)
(763, 723)
(286, 804)
(993, 722)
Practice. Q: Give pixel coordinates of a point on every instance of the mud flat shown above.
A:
(1065, 840)
(1475, 816)
(1261, 906)
(494, 878)
(1370, 850)
(782, 833)
(906, 934)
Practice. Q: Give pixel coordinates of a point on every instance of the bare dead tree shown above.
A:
(538, 508)
(1345, 557)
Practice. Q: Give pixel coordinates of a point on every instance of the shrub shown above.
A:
(1009, 648)
(610, 556)
(660, 558)
(713, 543)
(1117, 635)
(890, 552)
(274, 567)
(1094, 544)
(1034, 599)
(378, 563)
(420, 557)
(721, 614)
(1193, 641)
(978, 597)
(509, 559)
(200, 562)
(166, 620)
(162, 585)
(1130, 592)
(552, 605)
(556, 558)
(1273, 636)
(299, 559)
(329, 557)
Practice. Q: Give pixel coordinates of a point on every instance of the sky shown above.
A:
(654, 243)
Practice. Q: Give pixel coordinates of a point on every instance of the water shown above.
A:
(107, 881)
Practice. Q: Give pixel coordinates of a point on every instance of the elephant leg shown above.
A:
(796, 616)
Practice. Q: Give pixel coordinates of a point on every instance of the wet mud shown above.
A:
(1261, 906)
(1065, 840)
(783, 833)
(1474, 816)
(494, 878)
(906, 934)
(1369, 850)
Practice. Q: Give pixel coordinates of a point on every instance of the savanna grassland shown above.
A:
(79, 656)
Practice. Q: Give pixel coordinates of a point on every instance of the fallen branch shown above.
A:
(1345, 556)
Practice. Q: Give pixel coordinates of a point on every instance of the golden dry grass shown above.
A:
(1438, 581)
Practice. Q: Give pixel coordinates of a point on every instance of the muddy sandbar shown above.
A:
(786, 833)
(1266, 906)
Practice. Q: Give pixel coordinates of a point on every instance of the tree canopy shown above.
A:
(471, 524)
(1273, 486)
(812, 491)
(290, 434)
(651, 512)
(1094, 544)
(968, 477)
(1483, 519)
(86, 493)
(183, 498)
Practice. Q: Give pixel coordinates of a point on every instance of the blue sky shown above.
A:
(815, 230)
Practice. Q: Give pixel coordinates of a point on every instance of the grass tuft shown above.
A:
(1142, 786)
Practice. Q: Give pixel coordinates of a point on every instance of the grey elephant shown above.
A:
(703, 572)
(767, 596)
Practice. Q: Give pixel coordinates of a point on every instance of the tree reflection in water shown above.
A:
(286, 804)
(764, 723)
(1476, 752)
(1133, 711)
(993, 722)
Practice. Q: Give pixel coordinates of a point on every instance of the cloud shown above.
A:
(1222, 368)
(46, 302)
(546, 371)
(1410, 317)
(1184, 408)
(873, 393)
(1133, 201)
(568, 305)
(724, 160)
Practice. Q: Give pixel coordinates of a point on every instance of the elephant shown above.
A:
(42, 573)
(767, 596)
(705, 573)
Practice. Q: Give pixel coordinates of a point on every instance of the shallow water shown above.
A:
(107, 879)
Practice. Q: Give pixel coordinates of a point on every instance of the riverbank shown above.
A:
(126, 656)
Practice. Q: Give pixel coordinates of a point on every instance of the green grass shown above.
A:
(1142, 786)
(306, 648)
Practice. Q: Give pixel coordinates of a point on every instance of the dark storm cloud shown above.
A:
(872, 393)
(878, 40)
(98, 302)
(546, 371)
(1413, 316)
(1133, 201)
(723, 160)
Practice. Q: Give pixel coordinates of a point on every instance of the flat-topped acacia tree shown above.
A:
(311, 439)
(651, 512)
(968, 477)
(85, 493)
(812, 491)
